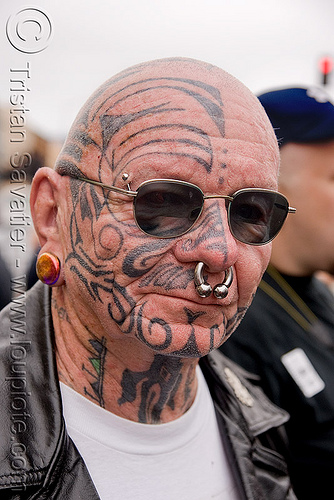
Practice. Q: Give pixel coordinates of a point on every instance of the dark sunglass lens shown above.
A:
(167, 209)
(257, 216)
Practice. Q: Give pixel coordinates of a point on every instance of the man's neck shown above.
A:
(120, 374)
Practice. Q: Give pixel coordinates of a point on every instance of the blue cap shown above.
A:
(299, 114)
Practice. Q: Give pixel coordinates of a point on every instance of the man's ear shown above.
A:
(46, 189)
(44, 197)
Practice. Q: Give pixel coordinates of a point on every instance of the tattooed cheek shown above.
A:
(110, 242)
(142, 258)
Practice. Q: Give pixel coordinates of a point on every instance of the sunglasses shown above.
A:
(168, 208)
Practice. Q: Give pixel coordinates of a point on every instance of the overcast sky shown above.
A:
(264, 43)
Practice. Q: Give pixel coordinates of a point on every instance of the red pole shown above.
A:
(326, 67)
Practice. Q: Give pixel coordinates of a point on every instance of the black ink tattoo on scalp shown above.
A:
(97, 361)
(112, 114)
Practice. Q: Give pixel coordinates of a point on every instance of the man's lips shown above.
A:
(192, 297)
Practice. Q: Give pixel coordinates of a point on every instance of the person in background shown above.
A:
(154, 231)
(287, 335)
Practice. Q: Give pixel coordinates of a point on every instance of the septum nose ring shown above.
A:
(203, 289)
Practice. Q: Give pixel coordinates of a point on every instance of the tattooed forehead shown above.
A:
(169, 107)
(158, 115)
(151, 97)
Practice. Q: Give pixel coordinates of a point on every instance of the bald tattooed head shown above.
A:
(171, 118)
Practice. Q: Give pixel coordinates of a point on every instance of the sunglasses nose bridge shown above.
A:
(223, 207)
(223, 201)
(215, 196)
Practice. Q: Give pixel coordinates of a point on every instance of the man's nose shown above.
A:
(210, 241)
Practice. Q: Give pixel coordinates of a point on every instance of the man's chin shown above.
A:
(179, 339)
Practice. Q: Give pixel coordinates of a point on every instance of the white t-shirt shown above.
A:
(180, 460)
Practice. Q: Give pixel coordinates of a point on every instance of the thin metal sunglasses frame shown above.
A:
(228, 198)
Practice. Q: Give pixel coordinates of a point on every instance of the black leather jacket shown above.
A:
(38, 460)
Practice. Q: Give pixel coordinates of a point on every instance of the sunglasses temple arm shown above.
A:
(111, 188)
